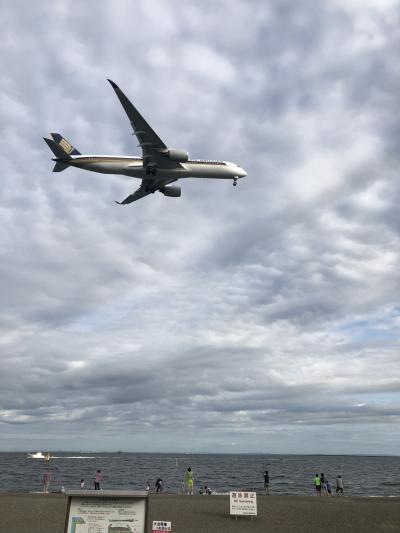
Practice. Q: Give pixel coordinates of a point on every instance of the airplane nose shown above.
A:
(242, 173)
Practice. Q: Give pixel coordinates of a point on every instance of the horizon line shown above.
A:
(212, 453)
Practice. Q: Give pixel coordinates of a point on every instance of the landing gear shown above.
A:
(235, 182)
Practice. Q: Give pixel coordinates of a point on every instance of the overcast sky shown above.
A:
(258, 318)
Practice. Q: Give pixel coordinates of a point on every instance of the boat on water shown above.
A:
(39, 455)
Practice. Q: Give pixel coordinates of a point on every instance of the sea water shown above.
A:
(289, 474)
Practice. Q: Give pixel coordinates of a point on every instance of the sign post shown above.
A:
(106, 511)
(243, 503)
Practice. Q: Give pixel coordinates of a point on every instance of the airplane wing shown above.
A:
(147, 187)
(137, 195)
(151, 144)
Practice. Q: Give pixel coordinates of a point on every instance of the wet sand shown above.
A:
(40, 513)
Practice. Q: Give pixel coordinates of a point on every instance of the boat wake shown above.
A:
(74, 457)
(40, 455)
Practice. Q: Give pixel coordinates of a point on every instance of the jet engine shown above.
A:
(181, 156)
(175, 192)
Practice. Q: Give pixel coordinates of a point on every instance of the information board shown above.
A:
(106, 512)
(243, 503)
(161, 525)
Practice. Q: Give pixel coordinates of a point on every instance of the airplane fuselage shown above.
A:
(133, 167)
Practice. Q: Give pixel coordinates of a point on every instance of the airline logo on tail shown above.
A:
(66, 146)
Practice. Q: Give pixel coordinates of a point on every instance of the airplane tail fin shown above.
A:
(60, 147)
(56, 149)
(64, 144)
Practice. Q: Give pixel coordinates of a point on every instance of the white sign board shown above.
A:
(161, 525)
(243, 503)
(106, 515)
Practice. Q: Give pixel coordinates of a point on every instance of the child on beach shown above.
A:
(328, 487)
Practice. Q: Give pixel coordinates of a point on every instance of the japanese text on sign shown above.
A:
(106, 515)
(161, 525)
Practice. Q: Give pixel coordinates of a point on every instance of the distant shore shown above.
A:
(41, 513)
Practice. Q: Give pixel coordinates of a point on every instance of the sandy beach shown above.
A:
(39, 513)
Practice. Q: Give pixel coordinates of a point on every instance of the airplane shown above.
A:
(158, 167)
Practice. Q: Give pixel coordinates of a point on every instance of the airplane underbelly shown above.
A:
(109, 168)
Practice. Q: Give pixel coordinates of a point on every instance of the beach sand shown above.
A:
(40, 513)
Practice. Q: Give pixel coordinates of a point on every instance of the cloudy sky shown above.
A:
(260, 318)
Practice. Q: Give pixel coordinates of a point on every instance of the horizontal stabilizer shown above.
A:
(59, 166)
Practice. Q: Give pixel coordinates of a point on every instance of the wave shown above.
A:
(381, 496)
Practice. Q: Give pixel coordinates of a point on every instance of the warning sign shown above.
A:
(161, 525)
(243, 503)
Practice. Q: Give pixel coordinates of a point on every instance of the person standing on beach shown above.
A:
(266, 482)
(317, 483)
(189, 481)
(82, 484)
(339, 486)
(159, 485)
(97, 479)
(323, 484)
(47, 477)
(328, 488)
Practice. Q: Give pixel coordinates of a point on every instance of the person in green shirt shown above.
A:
(189, 481)
(317, 483)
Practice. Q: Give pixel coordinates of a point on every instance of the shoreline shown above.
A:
(210, 514)
(260, 494)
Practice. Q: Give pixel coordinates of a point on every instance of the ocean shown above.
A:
(289, 474)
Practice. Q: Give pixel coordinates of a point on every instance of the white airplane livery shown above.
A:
(158, 167)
